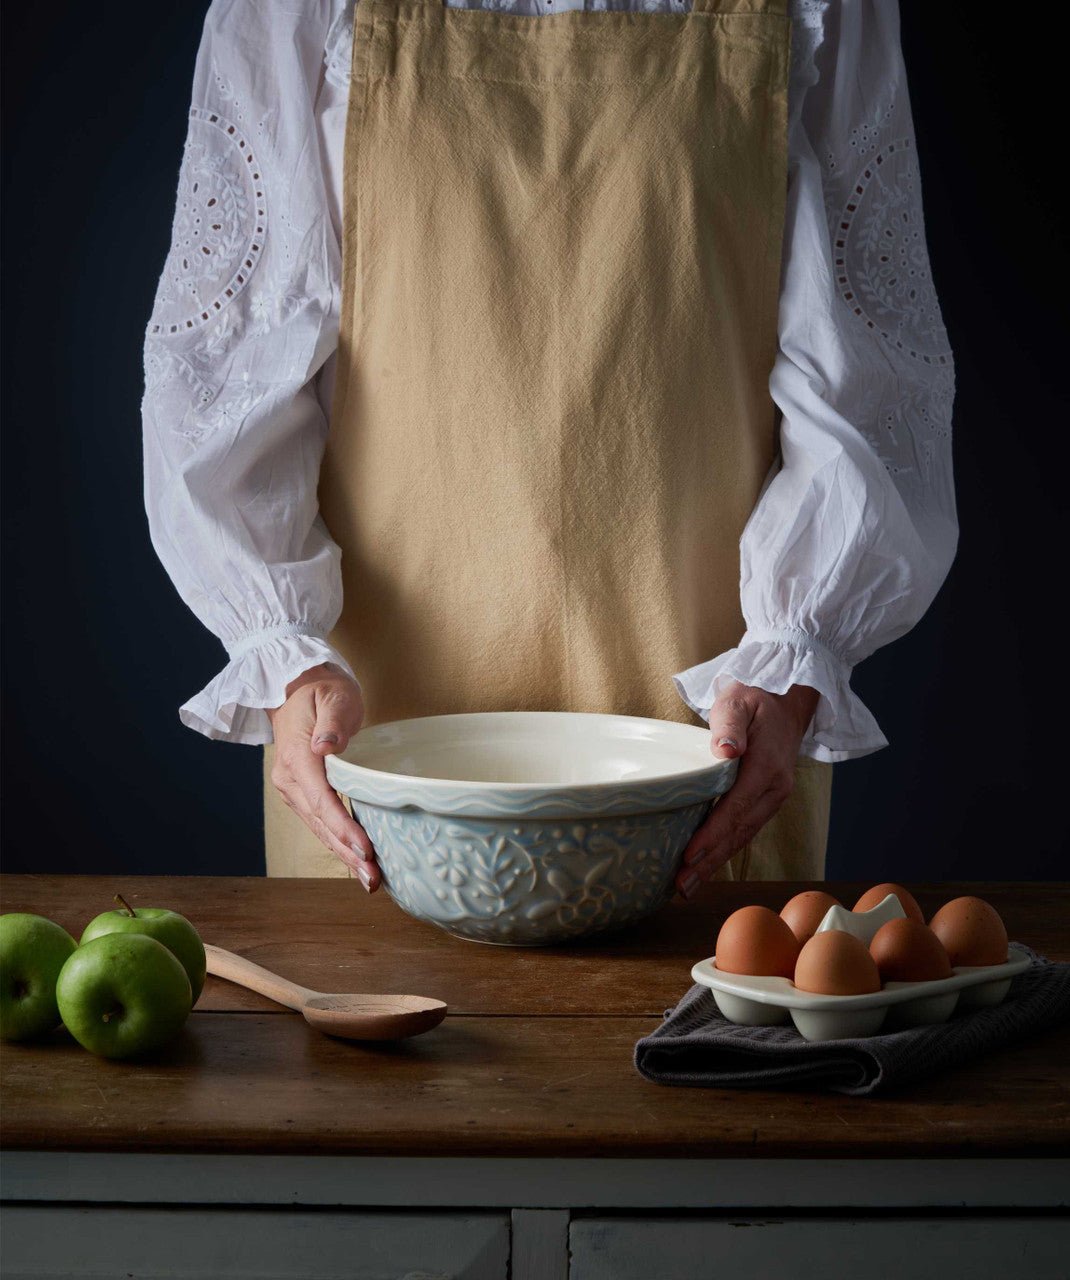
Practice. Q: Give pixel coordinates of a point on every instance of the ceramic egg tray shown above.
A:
(768, 1002)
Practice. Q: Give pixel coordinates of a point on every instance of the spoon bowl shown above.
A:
(348, 1016)
(355, 1017)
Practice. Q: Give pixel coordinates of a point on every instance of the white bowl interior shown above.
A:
(533, 748)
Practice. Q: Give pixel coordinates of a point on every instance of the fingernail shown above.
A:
(689, 883)
(361, 852)
(364, 876)
(696, 855)
(324, 737)
(728, 742)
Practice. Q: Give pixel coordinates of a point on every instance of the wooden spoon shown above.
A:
(352, 1017)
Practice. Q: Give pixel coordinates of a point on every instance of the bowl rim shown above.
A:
(714, 767)
(604, 798)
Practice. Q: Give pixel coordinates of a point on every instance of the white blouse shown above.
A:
(855, 529)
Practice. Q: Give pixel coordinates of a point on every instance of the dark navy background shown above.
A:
(99, 651)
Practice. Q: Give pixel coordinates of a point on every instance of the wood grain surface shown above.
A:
(535, 1057)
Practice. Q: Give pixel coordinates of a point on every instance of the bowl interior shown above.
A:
(533, 748)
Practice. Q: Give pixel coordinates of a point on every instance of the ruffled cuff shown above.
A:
(231, 707)
(842, 727)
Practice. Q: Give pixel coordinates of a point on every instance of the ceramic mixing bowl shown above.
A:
(530, 827)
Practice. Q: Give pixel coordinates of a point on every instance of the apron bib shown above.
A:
(561, 263)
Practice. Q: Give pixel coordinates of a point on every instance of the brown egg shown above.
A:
(906, 951)
(806, 911)
(835, 963)
(754, 940)
(875, 896)
(971, 931)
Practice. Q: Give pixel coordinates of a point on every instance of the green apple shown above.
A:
(174, 931)
(123, 994)
(32, 952)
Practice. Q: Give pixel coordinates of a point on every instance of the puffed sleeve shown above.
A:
(856, 528)
(245, 316)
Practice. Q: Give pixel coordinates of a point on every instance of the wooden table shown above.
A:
(518, 1130)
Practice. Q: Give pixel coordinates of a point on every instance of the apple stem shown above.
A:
(126, 905)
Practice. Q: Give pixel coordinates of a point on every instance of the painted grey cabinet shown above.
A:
(215, 1244)
(766, 1248)
(146, 1216)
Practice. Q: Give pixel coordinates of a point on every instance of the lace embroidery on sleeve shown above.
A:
(883, 276)
(881, 260)
(219, 227)
(229, 275)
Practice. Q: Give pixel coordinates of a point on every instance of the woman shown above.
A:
(608, 337)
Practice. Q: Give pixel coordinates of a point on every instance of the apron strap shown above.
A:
(778, 7)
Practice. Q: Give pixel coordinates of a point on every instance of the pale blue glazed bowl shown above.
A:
(527, 828)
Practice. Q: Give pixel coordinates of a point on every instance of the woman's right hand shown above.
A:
(322, 711)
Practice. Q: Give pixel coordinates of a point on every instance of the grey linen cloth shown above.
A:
(697, 1045)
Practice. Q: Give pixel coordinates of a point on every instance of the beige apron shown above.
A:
(561, 265)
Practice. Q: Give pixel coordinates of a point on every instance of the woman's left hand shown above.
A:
(766, 730)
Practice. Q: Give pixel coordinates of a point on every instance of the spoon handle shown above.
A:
(225, 964)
